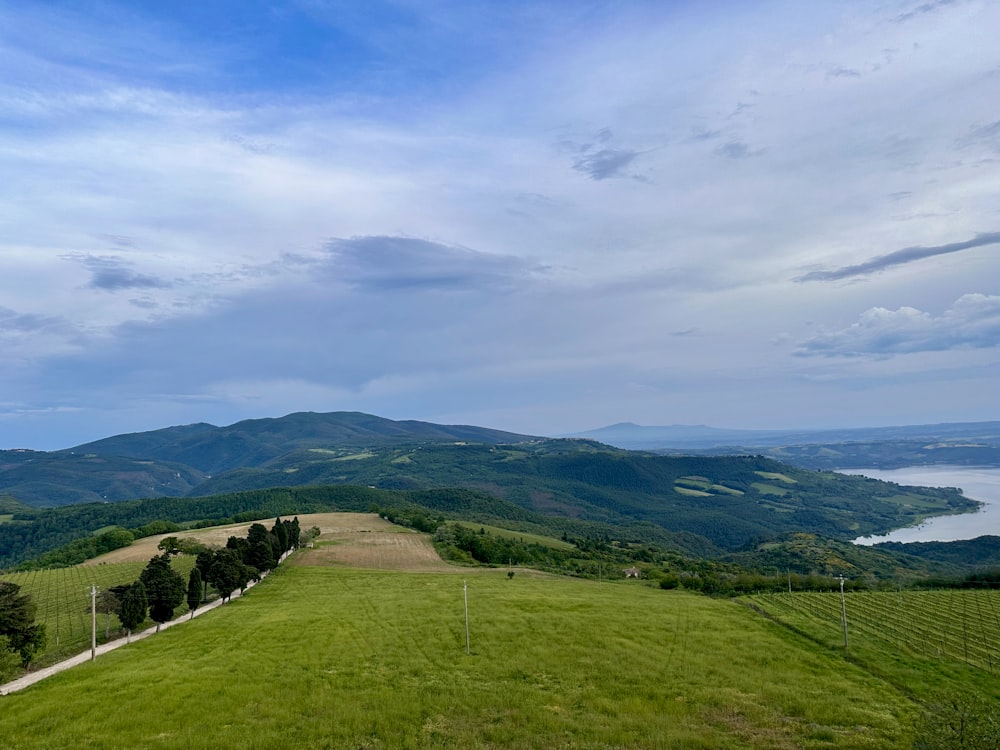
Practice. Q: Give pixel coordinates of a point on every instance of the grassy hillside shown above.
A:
(342, 658)
(28, 535)
(729, 500)
(699, 504)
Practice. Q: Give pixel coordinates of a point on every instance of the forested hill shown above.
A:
(721, 502)
(255, 442)
(729, 500)
(176, 461)
(709, 504)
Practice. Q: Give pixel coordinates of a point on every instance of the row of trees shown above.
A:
(160, 589)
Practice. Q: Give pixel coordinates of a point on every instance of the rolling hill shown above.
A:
(704, 505)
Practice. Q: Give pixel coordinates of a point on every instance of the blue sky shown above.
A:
(537, 216)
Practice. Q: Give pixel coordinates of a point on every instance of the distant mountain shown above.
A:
(710, 504)
(254, 442)
(725, 501)
(718, 503)
(962, 443)
(178, 461)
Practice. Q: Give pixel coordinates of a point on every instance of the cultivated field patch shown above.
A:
(367, 541)
(330, 525)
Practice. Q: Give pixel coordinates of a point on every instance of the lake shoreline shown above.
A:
(979, 483)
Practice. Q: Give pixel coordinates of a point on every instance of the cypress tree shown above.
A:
(133, 607)
(281, 532)
(194, 590)
(226, 573)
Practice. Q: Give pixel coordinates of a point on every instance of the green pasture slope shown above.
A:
(62, 600)
(344, 658)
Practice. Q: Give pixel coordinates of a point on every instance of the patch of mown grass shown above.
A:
(769, 489)
(334, 658)
(691, 492)
(776, 475)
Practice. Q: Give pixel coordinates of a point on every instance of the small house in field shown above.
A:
(632, 572)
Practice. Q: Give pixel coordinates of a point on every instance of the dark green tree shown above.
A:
(226, 572)
(260, 553)
(204, 563)
(293, 532)
(164, 588)
(17, 622)
(194, 591)
(133, 609)
(241, 546)
(280, 533)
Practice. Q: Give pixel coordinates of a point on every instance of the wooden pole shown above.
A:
(843, 611)
(93, 621)
(465, 587)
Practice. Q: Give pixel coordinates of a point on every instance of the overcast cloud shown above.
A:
(542, 216)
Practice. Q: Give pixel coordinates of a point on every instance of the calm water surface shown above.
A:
(981, 484)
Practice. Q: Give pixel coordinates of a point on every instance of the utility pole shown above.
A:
(465, 588)
(843, 611)
(93, 621)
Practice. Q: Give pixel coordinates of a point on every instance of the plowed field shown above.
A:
(361, 540)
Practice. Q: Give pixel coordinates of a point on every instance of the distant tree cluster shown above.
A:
(79, 550)
(462, 544)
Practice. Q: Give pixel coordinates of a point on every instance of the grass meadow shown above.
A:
(338, 657)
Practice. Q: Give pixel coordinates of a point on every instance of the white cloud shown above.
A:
(169, 202)
(973, 322)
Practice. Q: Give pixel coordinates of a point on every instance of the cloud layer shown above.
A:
(901, 257)
(972, 322)
(540, 216)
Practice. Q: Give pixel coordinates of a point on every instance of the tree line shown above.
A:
(160, 590)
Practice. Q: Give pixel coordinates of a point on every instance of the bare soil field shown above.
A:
(362, 540)
(380, 550)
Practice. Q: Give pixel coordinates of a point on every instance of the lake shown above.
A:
(981, 484)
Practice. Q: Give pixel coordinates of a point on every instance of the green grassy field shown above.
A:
(343, 658)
